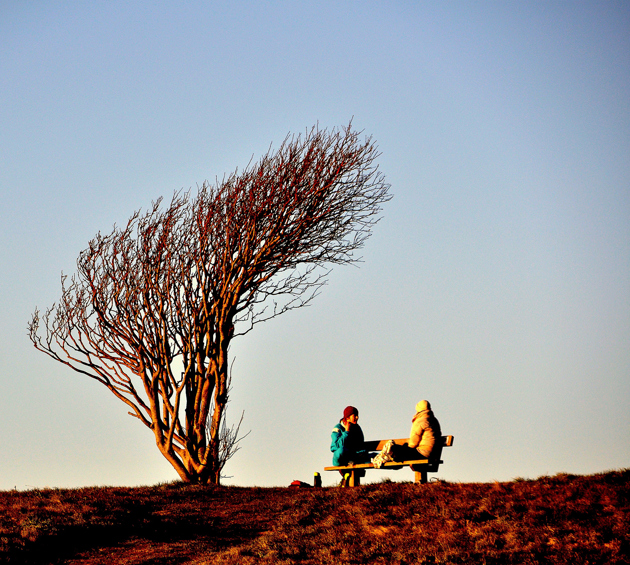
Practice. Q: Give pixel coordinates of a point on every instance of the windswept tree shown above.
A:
(154, 305)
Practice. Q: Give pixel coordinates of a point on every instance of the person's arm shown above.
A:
(338, 437)
(415, 434)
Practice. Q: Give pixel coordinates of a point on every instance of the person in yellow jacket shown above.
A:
(425, 429)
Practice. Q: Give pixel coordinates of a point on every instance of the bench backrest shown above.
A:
(379, 444)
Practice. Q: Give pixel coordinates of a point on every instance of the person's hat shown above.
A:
(349, 410)
(423, 405)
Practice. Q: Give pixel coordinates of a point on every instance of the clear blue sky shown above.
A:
(497, 284)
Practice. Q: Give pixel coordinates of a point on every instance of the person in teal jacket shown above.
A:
(347, 440)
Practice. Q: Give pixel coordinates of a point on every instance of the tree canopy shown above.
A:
(154, 305)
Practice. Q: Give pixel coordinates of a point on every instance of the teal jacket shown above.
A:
(347, 446)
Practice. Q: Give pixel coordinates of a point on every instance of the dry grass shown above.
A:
(560, 519)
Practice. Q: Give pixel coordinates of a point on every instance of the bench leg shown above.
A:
(355, 480)
(420, 477)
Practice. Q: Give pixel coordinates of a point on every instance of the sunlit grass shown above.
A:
(560, 519)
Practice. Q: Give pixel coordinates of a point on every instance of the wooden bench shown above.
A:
(405, 457)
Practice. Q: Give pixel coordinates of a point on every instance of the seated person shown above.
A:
(425, 430)
(347, 440)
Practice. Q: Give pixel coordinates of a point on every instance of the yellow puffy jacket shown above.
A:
(425, 430)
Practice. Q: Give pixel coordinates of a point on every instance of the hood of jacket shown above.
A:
(423, 408)
(423, 405)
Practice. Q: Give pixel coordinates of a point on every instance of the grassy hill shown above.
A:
(560, 519)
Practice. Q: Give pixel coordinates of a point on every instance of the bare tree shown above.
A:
(154, 305)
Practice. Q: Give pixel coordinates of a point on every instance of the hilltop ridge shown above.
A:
(559, 519)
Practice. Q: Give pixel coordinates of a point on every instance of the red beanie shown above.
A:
(349, 411)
